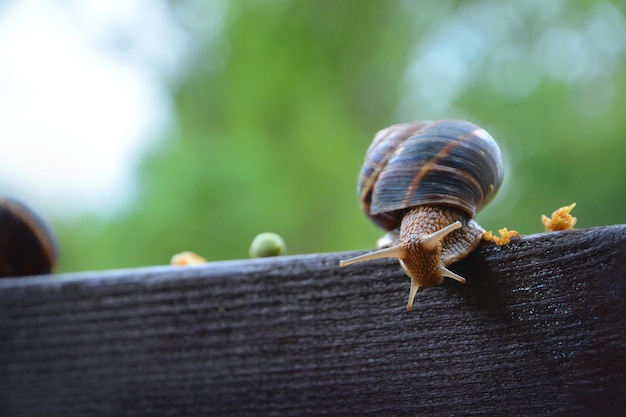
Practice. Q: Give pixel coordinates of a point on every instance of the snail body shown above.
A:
(424, 182)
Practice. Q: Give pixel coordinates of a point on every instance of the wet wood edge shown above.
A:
(537, 330)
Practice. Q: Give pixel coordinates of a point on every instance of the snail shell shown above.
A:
(424, 181)
(27, 246)
(447, 162)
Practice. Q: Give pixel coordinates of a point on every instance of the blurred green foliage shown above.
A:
(275, 112)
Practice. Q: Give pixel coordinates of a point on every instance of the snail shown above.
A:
(424, 182)
(27, 246)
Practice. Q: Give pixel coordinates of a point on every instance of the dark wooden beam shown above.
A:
(538, 329)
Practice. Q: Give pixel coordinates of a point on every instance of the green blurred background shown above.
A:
(274, 112)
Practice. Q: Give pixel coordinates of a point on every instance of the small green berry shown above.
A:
(267, 244)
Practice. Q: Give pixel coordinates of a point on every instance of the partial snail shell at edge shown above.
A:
(27, 245)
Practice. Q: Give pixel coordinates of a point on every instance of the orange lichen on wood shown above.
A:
(187, 258)
(561, 219)
(505, 237)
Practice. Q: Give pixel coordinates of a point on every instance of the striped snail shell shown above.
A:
(424, 182)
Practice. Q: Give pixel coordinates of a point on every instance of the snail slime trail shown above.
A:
(424, 182)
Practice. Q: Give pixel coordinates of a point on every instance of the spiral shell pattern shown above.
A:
(445, 162)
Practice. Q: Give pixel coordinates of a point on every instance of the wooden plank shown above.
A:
(538, 330)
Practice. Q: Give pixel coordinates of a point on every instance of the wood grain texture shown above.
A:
(537, 330)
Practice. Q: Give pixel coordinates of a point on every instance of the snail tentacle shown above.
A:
(431, 241)
(397, 252)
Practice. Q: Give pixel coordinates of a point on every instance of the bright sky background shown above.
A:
(83, 84)
(82, 92)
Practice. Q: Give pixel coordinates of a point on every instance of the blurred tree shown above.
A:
(273, 120)
(276, 109)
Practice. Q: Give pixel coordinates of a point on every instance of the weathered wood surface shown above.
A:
(538, 330)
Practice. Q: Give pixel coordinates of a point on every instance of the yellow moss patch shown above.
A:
(561, 219)
(505, 236)
(187, 258)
